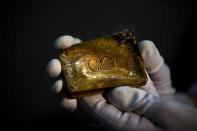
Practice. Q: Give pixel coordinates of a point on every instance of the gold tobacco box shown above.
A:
(102, 63)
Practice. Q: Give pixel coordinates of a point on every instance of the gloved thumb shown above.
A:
(126, 98)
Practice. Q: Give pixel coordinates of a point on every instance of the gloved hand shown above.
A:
(150, 107)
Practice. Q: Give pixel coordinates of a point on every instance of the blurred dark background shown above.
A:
(30, 28)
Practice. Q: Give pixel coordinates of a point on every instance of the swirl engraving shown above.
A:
(101, 64)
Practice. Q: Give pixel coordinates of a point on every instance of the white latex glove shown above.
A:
(111, 115)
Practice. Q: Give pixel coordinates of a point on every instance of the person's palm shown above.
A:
(114, 112)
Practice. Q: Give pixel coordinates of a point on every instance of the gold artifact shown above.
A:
(110, 61)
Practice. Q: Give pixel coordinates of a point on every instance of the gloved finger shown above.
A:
(54, 68)
(149, 87)
(151, 56)
(77, 41)
(112, 118)
(67, 103)
(157, 70)
(66, 41)
(57, 87)
(162, 81)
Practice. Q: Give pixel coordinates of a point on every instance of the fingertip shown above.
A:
(54, 68)
(64, 42)
(151, 56)
(57, 87)
(146, 48)
(69, 104)
(77, 41)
